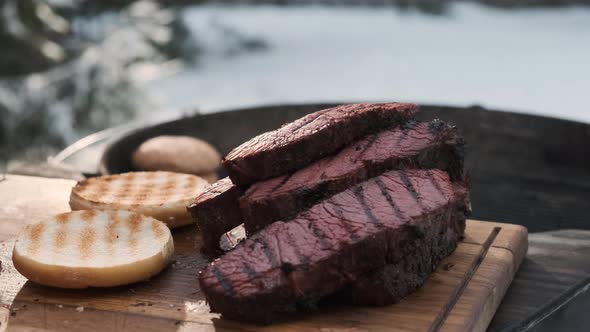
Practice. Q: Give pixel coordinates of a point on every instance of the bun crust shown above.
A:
(183, 154)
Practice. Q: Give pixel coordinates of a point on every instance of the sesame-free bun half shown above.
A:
(93, 248)
(183, 154)
(162, 195)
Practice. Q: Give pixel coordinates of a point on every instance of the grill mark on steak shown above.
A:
(345, 222)
(272, 259)
(435, 183)
(329, 159)
(282, 182)
(360, 196)
(396, 210)
(248, 270)
(224, 282)
(371, 140)
(410, 187)
(293, 243)
(318, 234)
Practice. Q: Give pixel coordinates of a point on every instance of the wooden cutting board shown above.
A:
(462, 295)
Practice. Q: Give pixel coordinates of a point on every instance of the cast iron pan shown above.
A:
(528, 170)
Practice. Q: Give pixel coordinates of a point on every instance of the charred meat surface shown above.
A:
(414, 145)
(312, 137)
(216, 211)
(289, 266)
(417, 260)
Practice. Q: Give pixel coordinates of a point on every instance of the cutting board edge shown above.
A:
(511, 246)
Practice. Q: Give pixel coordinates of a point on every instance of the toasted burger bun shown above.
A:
(92, 248)
(183, 154)
(162, 195)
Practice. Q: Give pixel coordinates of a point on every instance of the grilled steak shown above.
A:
(336, 243)
(416, 145)
(310, 138)
(216, 211)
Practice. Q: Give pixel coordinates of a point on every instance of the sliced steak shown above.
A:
(310, 138)
(336, 243)
(415, 145)
(216, 211)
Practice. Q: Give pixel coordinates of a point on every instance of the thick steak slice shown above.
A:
(216, 211)
(291, 265)
(310, 138)
(415, 145)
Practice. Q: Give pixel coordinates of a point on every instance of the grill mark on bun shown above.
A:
(166, 191)
(133, 223)
(142, 195)
(126, 185)
(88, 215)
(112, 235)
(60, 237)
(125, 190)
(100, 189)
(35, 233)
(169, 185)
(190, 185)
(157, 229)
(87, 237)
(63, 218)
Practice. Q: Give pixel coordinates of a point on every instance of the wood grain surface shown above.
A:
(25, 199)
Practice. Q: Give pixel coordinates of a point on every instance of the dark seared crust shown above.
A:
(310, 138)
(339, 242)
(216, 211)
(417, 260)
(415, 145)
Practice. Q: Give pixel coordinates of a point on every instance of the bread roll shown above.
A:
(183, 154)
(92, 248)
(162, 195)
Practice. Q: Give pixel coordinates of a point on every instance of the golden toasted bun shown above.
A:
(183, 154)
(92, 248)
(162, 195)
